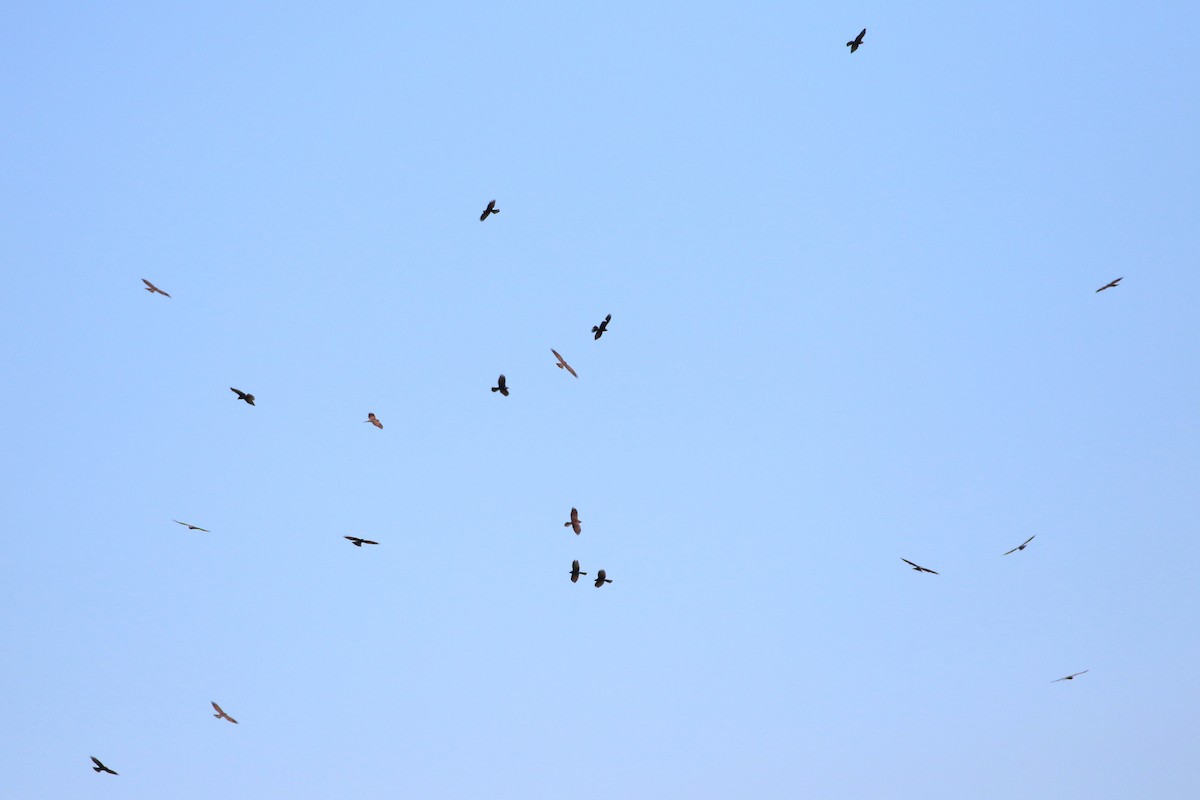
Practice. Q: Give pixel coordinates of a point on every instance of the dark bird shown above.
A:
(600, 579)
(562, 364)
(573, 524)
(100, 767)
(1022, 545)
(222, 715)
(1111, 284)
(357, 542)
(190, 527)
(575, 573)
(249, 398)
(918, 567)
(1069, 677)
(856, 41)
(602, 327)
(502, 388)
(487, 212)
(152, 289)
(374, 420)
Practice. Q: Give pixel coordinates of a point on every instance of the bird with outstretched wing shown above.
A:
(1110, 285)
(487, 212)
(221, 713)
(562, 364)
(190, 527)
(573, 522)
(854, 43)
(918, 567)
(100, 767)
(152, 289)
(1069, 677)
(1022, 545)
(575, 573)
(357, 542)
(501, 387)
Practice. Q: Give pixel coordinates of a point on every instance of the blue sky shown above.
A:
(854, 321)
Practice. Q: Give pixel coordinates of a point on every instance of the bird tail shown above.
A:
(495, 388)
(595, 328)
(97, 769)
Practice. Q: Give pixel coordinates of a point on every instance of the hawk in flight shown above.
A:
(600, 329)
(487, 212)
(100, 767)
(249, 398)
(575, 573)
(152, 289)
(357, 542)
(856, 41)
(574, 522)
(1022, 545)
(918, 567)
(562, 364)
(1110, 284)
(502, 388)
(1069, 677)
(190, 527)
(374, 420)
(221, 714)
(601, 579)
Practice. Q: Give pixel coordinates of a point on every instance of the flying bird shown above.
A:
(100, 767)
(601, 580)
(152, 289)
(221, 714)
(1110, 284)
(1069, 677)
(856, 41)
(575, 573)
(357, 542)
(374, 420)
(562, 364)
(502, 388)
(1022, 545)
(491, 209)
(190, 527)
(573, 524)
(249, 398)
(602, 327)
(918, 567)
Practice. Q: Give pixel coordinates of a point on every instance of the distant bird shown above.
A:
(574, 522)
(1069, 677)
(502, 388)
(600, 579)
(491, 209)
(357, 542)
(100, 767)
(374, 420)
(152, 289)
(600, 329)
(249, 398)
(575, 573)
(918, 567)
(856, 41)
(190, 527)
(222, 715)
(1022, 545)
(1110, 284)
(562, 364)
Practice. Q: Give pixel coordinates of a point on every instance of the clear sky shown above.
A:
(854, 321)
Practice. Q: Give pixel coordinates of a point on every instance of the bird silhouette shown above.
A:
(249, 398)
(1110, 284)
(221, 714)
(357, 542)
(374, 420)
(918, 567)
(562, 364)
(491, 209)
(575, 573)
(502, 388)
(1069, 677)
(152, 289)
(573, 523)
(601, 579)
(856, 41)
(1022, 545)
(190, 527)
(100, 767)
(600, 329)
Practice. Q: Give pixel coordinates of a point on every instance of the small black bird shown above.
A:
(918, 567)
(856, 41)
(152, 289)
(502, 388)
(573, 524)
(602, 327)
(249, 398)
(600, 579)
(374, 420)
(190, 527)
(100, 767)
(1021, 546)
(357, 542)
(575, 573)
(1110, 284)
(1069, 677)
(491, 209)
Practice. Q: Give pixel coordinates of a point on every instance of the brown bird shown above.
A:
(573, 524)
(856, 41)
(1069, 677)
(491, 209)
(600, 329)
(575, 573)
(1021, 546)
(100, 767)
(190, 527)
(502, 388)
(222, 715)
(918, 567)
(1110, 284)
(249, 398)
(374, 420)
(152, 289)
(562, 364)
(600, 579)
(357, 542)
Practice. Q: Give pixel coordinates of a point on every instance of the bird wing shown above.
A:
(858, 39)
(238, 392)
(367, 541)
(574, 515)
(218, 708)
(1078, 673)
(500, 383)
(570, 370)
(1027, 541)
(1015, 549)
(931, 572)
(906, 561)
(97, 762)
(152, 288)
